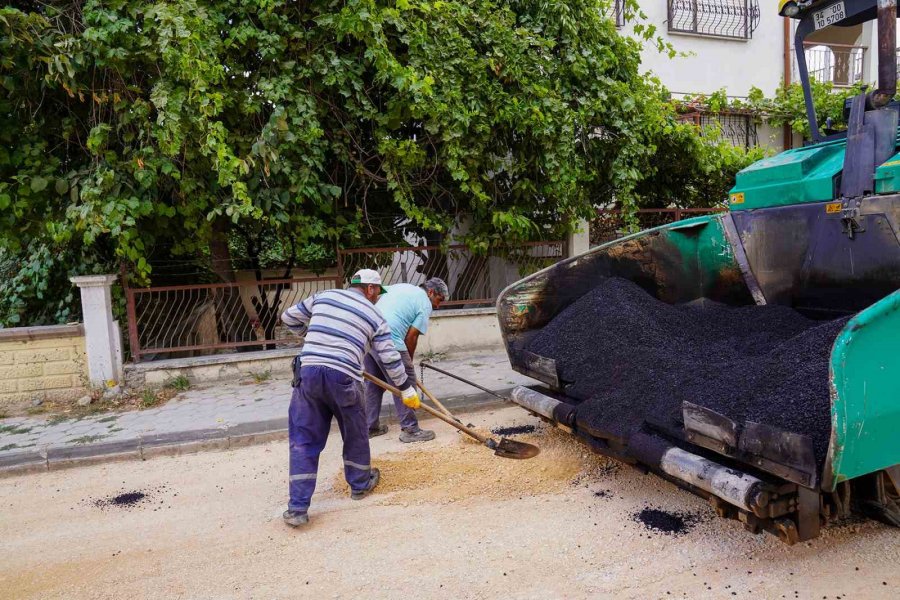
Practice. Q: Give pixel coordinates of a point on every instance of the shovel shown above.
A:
(505, 448)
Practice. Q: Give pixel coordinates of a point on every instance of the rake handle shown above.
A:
(435, 413)
(464, 380)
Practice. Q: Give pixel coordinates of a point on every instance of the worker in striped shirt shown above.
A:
(341, 327)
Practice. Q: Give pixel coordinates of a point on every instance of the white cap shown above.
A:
(368, 277)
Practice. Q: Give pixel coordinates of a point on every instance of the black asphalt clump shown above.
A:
(513, 430)
(129, 499)
(123, 500)
(662, 521)
(628, 358)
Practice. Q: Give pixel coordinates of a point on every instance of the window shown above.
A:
(739, 128)
(736, 19)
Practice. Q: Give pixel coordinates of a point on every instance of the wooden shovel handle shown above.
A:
(435, 413)
(436, 401)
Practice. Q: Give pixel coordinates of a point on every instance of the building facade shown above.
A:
(737, 45)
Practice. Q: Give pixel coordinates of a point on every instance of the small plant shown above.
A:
(3, 415)
(149, 398)
(180, 383)
(432, 356)
(261, 376)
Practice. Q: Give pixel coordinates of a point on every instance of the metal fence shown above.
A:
(610, 225)
(191, 320)
(188, 320)
(474, 279)
(720, 18)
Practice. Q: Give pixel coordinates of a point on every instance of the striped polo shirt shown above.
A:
(341, 327)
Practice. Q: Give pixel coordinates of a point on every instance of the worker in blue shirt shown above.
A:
(406, 309)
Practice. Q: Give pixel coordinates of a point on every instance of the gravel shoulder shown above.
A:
(451, 521)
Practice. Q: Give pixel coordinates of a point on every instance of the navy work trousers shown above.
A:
(374, 394)
(324, 393)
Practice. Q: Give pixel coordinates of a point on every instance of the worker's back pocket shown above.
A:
(348, 392)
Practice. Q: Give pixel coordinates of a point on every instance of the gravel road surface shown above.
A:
(451, 521)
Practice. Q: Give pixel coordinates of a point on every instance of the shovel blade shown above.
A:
(513, 449)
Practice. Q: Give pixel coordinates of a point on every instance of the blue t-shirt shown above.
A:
(404, 306)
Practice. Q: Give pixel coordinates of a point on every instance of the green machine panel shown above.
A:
(887, 176)
(792, 177)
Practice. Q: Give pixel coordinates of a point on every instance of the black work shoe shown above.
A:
(408, 436)
(376, 431)
(295, 518)
(374, 478)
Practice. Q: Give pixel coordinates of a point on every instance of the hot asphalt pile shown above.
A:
(629, 358)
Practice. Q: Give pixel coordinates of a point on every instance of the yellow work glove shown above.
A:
(411, 398)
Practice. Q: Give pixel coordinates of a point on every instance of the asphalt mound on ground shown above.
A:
(628, 357)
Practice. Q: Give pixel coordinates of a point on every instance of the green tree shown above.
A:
(696, 168)
(787, 106)
(135, 130)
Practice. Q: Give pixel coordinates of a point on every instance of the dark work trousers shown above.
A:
(325, 393)
(374, 394)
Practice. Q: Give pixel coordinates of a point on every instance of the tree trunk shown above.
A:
(234, 324)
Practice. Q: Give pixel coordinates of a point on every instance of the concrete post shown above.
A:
(579, 241)
(104, 349)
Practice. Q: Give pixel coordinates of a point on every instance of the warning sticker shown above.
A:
(833, 207)
(737, 198)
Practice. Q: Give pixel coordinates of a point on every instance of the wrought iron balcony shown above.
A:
(839, 64)
(736, 19)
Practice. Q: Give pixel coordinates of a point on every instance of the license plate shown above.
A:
(829, 15)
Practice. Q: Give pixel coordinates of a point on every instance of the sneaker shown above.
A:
(295, 518)
(374, 478)
(416, 435)
(380, 430)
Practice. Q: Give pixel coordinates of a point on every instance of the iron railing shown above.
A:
(721, 18)
(189, 320)
(739, 128)
(838, 64)
(197, 319)
(611, 224)
(473, 279)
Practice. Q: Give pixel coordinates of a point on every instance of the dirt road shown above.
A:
(451, 521)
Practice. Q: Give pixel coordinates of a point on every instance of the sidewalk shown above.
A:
(214, 416)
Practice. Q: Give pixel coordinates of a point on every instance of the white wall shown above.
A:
(715, 63)
(449, 331)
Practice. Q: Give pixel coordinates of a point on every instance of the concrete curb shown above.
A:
(53, 458)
